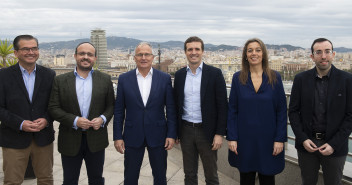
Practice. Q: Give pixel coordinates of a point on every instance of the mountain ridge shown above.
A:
(124, 43)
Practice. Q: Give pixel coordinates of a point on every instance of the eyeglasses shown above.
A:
(27, 50)
(82, 54)
(140, 55)
(320, 52)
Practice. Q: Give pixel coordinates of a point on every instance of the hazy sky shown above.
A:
(231, 22)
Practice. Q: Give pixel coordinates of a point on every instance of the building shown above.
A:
(98, 39)
(59, 60)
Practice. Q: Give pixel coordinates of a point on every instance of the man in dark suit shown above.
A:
(201, 101)
(140, 122)
(320, 114)
(82, 101)
(26, 128)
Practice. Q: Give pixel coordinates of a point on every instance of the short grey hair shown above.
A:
(143, 44)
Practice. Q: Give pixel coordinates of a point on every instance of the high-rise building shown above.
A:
(59, 60)
(98, 39)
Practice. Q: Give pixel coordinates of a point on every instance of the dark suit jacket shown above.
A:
(213, 100)
(136, 123)
(15, 107)
(338, 113)
(64, 108)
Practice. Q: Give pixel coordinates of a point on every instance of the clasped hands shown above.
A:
(34, 126)
(85, 123)
(324, 149)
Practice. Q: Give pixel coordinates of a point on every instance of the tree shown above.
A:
(6, 49)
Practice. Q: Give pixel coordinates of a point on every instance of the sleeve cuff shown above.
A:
(104, 120)
(75, 123)
(21, 125)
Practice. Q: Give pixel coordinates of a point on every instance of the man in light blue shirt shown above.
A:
(192, 111)
(26, 128)
(82, 101)
(201, 104)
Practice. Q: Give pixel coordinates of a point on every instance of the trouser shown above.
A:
(310, 164)
(15, 163)
(195, 144)
(94, 164)
(133, 161)
(249, 179)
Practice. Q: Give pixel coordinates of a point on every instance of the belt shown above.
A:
(319, 135)
(190, 124)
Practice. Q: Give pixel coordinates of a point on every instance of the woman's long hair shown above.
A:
(265, 63)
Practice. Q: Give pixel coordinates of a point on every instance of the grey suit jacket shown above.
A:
(64, 107)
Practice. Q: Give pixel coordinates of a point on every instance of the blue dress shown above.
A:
(255, 121)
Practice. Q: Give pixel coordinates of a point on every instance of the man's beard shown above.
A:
(85, 68)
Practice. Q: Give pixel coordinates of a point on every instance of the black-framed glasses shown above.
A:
(320, 52)
(27, 50)
(140, 55)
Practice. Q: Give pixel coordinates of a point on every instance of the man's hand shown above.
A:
(217, 142)
(326, 149)
(84, 123)
(97, 122)
(233, 146)
(169, 143)
(120, 146)
(29, 126)
(278, 148)
(310, 146)
(41, 122)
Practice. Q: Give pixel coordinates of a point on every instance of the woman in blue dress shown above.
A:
(257, 118)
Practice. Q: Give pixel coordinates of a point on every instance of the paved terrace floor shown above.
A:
(113, 168)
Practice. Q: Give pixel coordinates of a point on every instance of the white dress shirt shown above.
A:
(144, 84)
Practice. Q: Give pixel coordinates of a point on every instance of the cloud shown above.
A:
(219, 22)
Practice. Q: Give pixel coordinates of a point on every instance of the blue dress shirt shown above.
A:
(192, 109)
(29, 80)
(84, 88)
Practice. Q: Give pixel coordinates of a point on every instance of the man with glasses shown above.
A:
(143, 96)
(320, 114)
(82, 101)
(26, 128)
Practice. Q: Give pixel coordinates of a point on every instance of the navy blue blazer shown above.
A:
(338, 113)
(136, 123)
(15, 107)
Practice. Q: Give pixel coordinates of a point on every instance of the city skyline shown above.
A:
(229, 22)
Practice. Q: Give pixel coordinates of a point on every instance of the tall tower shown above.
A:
(98, 39)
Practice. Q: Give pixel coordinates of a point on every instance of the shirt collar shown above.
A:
(150, 72)
(23, 70)
(199, 67)
(327, 75)
(76, 73)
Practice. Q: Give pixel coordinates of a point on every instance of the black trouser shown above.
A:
(249, 179)
(310, 163)
(94, 164)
